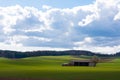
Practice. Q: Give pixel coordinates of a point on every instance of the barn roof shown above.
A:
(81, 61)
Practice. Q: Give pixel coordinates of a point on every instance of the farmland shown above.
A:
(49, 68)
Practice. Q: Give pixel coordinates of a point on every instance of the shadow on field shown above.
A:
(24, 79)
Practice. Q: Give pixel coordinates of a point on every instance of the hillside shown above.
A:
(49, 68)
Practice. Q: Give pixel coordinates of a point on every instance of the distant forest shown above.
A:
(16, 54)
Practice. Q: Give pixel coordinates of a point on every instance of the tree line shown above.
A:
(17, 54)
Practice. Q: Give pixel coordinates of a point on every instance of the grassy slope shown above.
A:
(49, 67)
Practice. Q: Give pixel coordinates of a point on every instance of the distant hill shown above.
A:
(117, 54)
(16, 54)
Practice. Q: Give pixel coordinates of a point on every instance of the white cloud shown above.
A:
(117, 16)
(97, 49)
(46, 7)
(15, 40)
(99, 44)
(73, 28)
(88, 20)
(27, 48)
(87, 40)
(42, 39)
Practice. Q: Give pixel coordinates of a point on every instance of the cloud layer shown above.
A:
(94, 27)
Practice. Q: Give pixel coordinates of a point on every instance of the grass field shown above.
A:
(49, 68)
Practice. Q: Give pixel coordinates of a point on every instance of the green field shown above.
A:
(49, 68)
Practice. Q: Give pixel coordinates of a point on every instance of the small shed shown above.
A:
(81, 63)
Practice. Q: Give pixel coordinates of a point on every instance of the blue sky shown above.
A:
(28, 25)
(40, 3)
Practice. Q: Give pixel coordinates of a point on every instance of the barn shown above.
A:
(80, 63)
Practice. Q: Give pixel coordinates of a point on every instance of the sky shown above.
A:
(39, 3)
(27, 25)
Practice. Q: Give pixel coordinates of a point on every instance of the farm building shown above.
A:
(80, 63)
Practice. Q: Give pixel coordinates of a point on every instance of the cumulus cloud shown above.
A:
(117, 17)
(93, 27)
(99, 44)
(87, 41)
